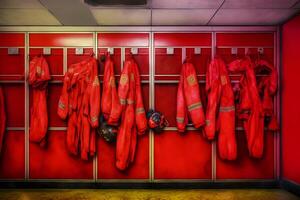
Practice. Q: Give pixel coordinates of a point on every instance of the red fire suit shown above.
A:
(267, 86)
(80, 102)
(188, 98)
(2, 118)
(220, 112)
(133, 119)
(38, 78)
(250, 107)
(110, 103)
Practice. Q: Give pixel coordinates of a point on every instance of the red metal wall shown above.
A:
(175, 156)
(290, 100)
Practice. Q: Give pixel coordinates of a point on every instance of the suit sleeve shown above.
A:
(106, 102)
(63, 103)
(181, 115)
(95, 102)
(140, 115)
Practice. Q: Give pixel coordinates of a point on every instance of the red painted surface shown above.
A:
(290, 100)
(14, 104)
(116, 59)
(182, 156)
(12, 159)
(200, 61)
(142, 59)
(245, 39)
(106, 154)
(55, 162)
(12, 39)
(54, 91)
(61, 39)
(107, 158)
(245, 167)
(55, 60)
(165, 101)
(167, 64)
(123, 39)
(12, 64)
(182, 39)
(73, 58)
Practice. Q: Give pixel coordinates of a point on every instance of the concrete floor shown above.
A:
(112, 194)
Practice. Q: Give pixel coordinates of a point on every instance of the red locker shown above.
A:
(106, 152)
(55, 162)
(12, 159)
(182, 156)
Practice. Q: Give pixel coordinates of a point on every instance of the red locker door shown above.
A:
(54, 161)
(245, 167)
(12, 159)
(188, 155)
(106, 152)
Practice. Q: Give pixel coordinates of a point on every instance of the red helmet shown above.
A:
(156, 121)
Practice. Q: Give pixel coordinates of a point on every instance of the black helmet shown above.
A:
(106, 131)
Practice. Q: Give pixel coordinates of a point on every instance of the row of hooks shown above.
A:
(134, 50)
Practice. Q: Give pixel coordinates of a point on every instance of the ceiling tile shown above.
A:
(27, 17)
(20, 4)
(182, 4)
(247, 4)
(181, 17)
(122, 16)
(297, 5)
(70, 12)
(251, 16)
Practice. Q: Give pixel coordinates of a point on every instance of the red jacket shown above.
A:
(267, 86)
(80, 103)
(2, 118)
(250, 107)
(188, 98)
(133, 117)
(38, 78)
(110, 103)
(220, 112)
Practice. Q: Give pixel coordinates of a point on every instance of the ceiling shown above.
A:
(155, 12)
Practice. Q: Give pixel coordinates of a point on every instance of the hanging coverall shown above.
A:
(267, 87)
(2, 118)
(250, 108)
(110, 103)
(133, 119)
(80, 103)
(38, 79)
(188, 98)
(220, 112)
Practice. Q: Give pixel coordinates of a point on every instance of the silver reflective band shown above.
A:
(227, 108)
(194, 106)
(180, 119)
(61, 105)
(122, 101)
(139, 110)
